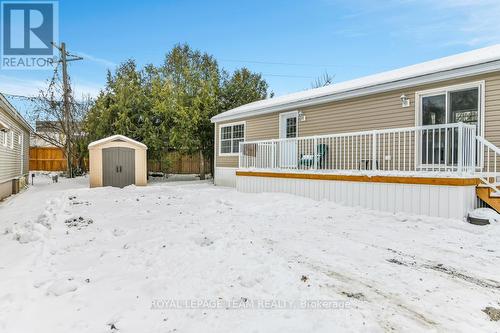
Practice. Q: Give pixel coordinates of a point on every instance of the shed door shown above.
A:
(118, 166)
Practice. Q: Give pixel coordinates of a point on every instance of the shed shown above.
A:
(117, 161)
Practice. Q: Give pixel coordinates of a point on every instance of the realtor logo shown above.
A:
(28, 30)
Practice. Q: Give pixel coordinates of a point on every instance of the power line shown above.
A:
(283, 63)
(290, 76)
(274, 63)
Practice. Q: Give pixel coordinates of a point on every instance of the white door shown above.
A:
(289, 133)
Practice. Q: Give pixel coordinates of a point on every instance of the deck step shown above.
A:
(489, 196)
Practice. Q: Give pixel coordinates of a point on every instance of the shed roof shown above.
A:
(465, 64)
(117, 137)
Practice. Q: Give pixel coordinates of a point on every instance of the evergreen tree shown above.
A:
(195, 78)
(242, 87)
(170, 107)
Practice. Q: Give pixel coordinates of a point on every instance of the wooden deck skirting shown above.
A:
(367, 179)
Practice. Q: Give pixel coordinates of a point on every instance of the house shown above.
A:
(47, 134)
(14, 149)
(421, 139)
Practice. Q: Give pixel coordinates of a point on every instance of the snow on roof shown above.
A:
(471, 58)
(117, 137)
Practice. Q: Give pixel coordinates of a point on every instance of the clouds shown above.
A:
(470, 23)
(475, 22)
(104, 62)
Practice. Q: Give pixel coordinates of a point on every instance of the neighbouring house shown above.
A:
(117, 161)
(14, 149)
(421, 139)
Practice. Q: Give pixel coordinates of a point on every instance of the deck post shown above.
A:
(315, 158)
(460, 148)
(374, 151)
(240, 152)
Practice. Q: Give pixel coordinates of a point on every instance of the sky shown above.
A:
(290, 42)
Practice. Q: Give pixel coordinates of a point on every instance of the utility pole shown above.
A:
(63, 59)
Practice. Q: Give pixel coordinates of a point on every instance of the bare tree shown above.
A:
(322, 81)
(60, 126)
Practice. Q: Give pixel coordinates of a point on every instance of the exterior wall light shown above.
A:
(405, 101)
(302, 116)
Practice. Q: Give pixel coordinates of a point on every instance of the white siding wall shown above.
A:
(431, 200)
(14, 162)
(225, 176)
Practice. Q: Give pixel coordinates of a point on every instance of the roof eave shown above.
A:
(15, 114)
(466, 71)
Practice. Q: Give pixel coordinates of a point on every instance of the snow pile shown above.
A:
(35, 230)
(485, 214)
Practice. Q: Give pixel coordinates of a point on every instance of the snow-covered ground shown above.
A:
(192, 257)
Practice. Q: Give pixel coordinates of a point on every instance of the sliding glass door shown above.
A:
(449, 106)
(433, 142)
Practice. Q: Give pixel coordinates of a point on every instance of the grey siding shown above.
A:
(12, 165)
(377, 111)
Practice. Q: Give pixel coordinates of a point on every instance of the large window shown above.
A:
(230, 137)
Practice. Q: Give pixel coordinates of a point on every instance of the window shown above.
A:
(11, 139)
(3, 135)
(230, 137)
(461, 103)
(291, 127)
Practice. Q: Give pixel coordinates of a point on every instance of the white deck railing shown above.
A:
(490, 171)
(438, 149)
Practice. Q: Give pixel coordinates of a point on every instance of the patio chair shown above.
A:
(308, 160)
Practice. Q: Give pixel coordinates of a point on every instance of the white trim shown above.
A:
(244, 123)
(114, 138)
(21, 143)
(215, 152)
(3, 126)
(411, 82)
(286, 115)
(445, 90)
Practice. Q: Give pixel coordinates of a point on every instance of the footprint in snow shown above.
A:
(61, 287)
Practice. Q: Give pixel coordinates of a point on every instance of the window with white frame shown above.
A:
(11, 139)
(3, 136)
(453, 104)
(230, 137)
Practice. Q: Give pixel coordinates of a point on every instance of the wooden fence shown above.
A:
(180, 164)
(52, 159)
(47, 159)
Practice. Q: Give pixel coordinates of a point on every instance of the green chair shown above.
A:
(308, 160)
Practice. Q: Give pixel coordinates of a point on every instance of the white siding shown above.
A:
(225, 176)
(12, 165)
(431, 200)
